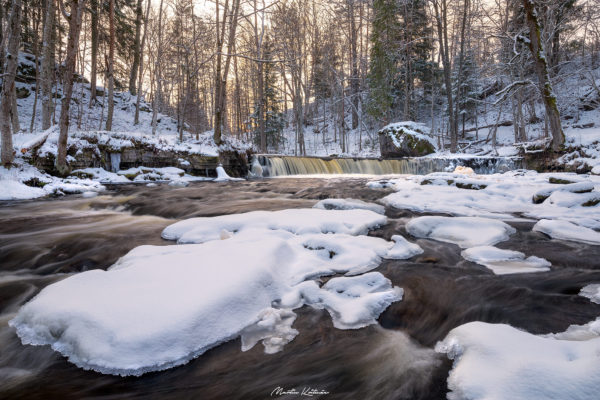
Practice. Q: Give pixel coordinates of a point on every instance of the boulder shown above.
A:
(405, 139)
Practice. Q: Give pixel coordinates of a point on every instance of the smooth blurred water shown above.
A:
(44, 241)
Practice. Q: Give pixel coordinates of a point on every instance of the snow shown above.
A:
(403, 249)
(349, 204)
(160, 306)
(503, 262)
(463, 231)
(501, 196)
(14, 190)
(21, 181)
(302, 221)
(410, 128)
(565, 230)
(592, 292)
(352, 302)
(497, 361)
(222, 175)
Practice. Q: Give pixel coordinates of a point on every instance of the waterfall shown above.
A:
(115, 162)
(288, 165)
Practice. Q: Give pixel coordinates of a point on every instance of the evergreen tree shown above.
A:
(400, 57)
(384, 60)
(274, 118)
(465, 87)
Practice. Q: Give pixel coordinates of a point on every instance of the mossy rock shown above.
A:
(82, 175)
(471, 186)
(22, 93)
(35, 182)
(559, 181)
(539, 198)
(403, 141)
(591, 203)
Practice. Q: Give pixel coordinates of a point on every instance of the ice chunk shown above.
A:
(160, 306)
(463, 231)
(565, 230)
(505, 261)
(274, 328)
(349, 204)
(353, 302)
(403, 249)
(501, 362)
(592, 292)
(222, 175)
(198, 230)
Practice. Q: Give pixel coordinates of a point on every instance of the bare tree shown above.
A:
(47, 76)
(8, 84)
(74, 20)
(226, 24)
(111, 66)
(541, 70)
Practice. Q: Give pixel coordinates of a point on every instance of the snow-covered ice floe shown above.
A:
(463, 231)
(301, 221)
(566, 230)
(349, 204)
(512, 195)
(497, 361)
(160, 306)
(503, 262)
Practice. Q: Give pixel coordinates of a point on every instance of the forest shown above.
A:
(281, 74)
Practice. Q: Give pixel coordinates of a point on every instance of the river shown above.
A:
(46, 240)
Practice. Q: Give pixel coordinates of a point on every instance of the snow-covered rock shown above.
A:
(405, 139)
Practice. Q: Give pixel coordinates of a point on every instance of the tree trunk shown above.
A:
(8, 82)
(137, 48)
(157, 72)
(94, 65)
(442, 28)
(354, 82)
(541, 70)
(141, 71)
(48, 65)
(111, 66)
(74, 18)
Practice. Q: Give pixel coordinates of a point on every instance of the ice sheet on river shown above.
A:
(463, 231)
(160, 306)
(300, 221)
(502, 196)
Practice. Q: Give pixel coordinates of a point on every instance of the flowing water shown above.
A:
(288, 165)
(46, 240)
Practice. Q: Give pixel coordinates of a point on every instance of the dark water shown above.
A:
(43, 241)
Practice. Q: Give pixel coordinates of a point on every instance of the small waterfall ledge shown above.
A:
(278, 165)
